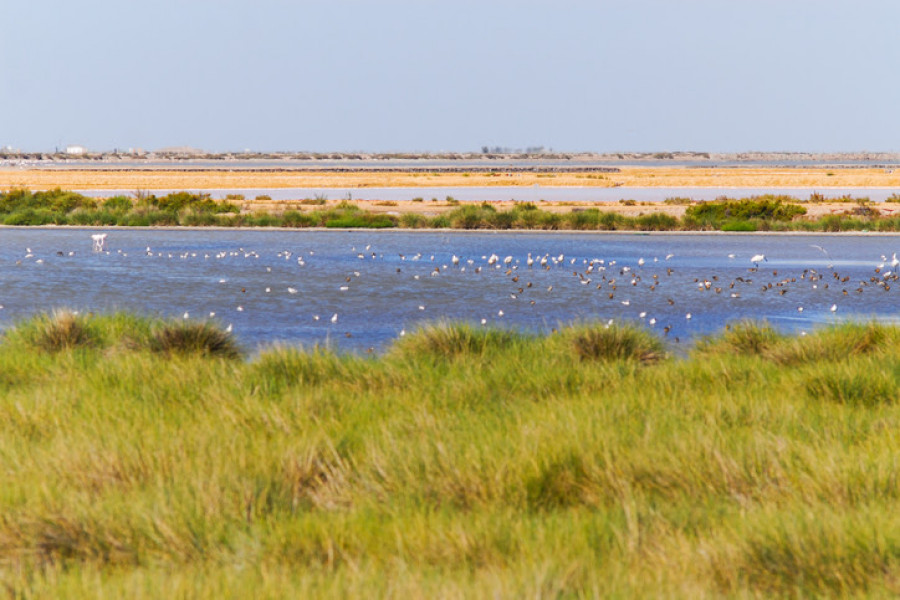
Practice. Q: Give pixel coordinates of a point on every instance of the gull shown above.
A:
(642, 315)
(484, 321)
(688, 316)
(240, 309)
(290, 290)
(334, 318)
(668, 256)
(833, 308)
(186, 315)
(344, 288)
(508, 260)
(229, 328)
(455, 260)
(823, 251)
(641, 262)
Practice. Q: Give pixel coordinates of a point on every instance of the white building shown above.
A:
(75, 149)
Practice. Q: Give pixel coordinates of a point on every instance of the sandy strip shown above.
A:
(42, 179)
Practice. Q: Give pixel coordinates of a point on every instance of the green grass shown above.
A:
(464, 461)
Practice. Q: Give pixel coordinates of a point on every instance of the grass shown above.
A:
(464, 461)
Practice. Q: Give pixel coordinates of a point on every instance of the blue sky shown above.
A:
(397, 75)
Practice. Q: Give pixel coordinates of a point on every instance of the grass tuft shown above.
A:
(615, 342)
(204, 339)
(445, 340)
(746, 338)
(57, 331)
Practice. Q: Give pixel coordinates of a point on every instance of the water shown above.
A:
(522, 193)
(392, 283)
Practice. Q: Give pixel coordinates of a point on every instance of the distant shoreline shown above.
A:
(626, 176)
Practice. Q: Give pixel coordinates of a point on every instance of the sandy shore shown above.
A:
(80, 179)
(823, 178)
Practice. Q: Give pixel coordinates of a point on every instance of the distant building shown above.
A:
(76, 149)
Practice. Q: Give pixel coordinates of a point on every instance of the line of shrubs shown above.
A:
(758, 213)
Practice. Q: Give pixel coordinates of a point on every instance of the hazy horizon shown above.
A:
(402, 76)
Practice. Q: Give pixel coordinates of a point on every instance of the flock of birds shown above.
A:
(657, 291)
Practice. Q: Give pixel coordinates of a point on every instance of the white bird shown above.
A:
(641, 262)
(334, 318)
(758, 258)
(228, 329)
(290, 290)
(668, 256)
(687, 316)
(833, 308)
(186, 315)
(455, 260)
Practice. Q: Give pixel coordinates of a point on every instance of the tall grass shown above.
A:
(464, 461)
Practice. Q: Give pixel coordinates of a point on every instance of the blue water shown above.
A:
(394, 281)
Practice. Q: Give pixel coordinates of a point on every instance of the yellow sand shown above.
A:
(629, 177)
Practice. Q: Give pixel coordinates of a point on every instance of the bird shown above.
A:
(334, 318)
(758, 258)
(833, 308)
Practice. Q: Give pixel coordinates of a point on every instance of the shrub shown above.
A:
(118, 204)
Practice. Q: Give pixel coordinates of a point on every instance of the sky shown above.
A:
(451, 75)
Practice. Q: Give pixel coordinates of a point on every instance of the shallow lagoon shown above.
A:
(380, 283)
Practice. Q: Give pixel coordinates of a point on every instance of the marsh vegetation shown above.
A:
(463, 461)
(758, 213)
